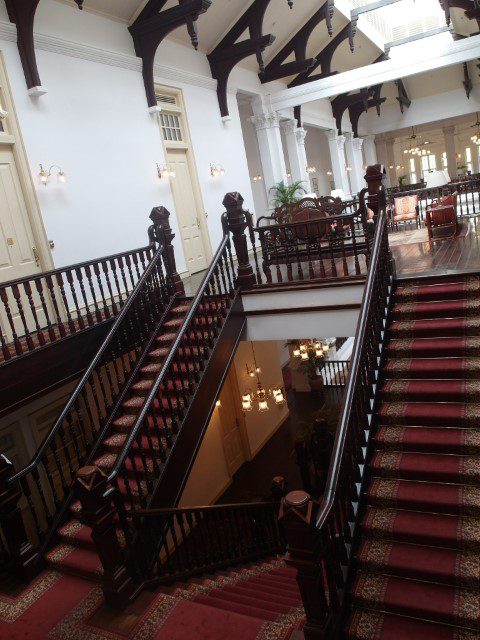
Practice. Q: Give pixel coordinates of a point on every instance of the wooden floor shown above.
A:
(441, 257)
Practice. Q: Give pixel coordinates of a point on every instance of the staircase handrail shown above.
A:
(225, 242)
(337, 455)
(156, 259)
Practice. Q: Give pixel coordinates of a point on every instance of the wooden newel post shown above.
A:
(98, 513)
(22, 555)
(375, 177)
(237, 223)
(297, 516)
(278, 490)
(162, 231)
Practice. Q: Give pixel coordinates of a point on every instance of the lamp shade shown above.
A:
(437, 178)
(338, 193)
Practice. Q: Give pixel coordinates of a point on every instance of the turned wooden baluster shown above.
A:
(297, 516)
(98, 513)
(27, 287)
(161, 232)
(6, 305)
(22, 554)
(21, 312)
(237, 223)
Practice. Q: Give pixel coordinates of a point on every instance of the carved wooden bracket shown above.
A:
(22, 14)
(343, 102)
(297, 45)
(467, 81)
(229, 52)
(352, 32)
(402, 97)
(153, 25)
(323, 60)
(471, 8)
(356, 110)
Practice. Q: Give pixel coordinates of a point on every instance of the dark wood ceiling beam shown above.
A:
(402, 97)
(297, 45)
(356, 110)
(323, 60)
(22, 14)
(151, 27)
(467, 81)
(341, 103)
(228, 52)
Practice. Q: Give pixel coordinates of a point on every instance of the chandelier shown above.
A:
(260, 395)
(415, 149)
(307, 348)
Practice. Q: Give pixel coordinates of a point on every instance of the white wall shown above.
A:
(94, 123)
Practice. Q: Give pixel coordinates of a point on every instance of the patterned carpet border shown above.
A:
(12, 608)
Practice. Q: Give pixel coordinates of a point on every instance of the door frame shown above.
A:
(12, 138)
(192, 167)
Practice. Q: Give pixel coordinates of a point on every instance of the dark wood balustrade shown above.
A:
(333, 246)
(320, 535)
(45, 484)
(45, 308)
(173, 544)
(468, 199)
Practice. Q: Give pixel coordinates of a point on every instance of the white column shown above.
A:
(390, 166)
(370, 150)
(353, 147)
(267, 125)
(297, 156)
(449, 137)
(382, 150)
(336, 145)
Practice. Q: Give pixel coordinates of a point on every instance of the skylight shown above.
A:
(403, 19)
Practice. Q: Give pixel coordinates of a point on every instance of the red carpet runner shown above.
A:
(76, 552)
(418, 564)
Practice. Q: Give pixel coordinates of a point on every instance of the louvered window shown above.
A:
(171, 129)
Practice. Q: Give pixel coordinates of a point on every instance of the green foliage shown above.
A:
(401, 180)
(283, 194)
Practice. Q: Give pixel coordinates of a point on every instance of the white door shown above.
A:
(186, 210)
(17, 245)
(230, 424)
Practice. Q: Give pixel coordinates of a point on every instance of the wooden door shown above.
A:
(18, 257)
(187, 211)
(230, 425)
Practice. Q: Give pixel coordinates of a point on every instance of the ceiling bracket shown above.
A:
(352, 31)
(153, 25)
(402, 97)
(467, 81)
(229, 52)
(22, 14)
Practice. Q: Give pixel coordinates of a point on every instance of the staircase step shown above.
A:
(76, 534)
(431, 529)
(430, 310)
(142, 387)
(76, 561)
(133, 465)
(259, 600)
(433, 467)
(412, 292)
(435, 602)
(431, 368)
(446, 566)
(440, 328)
(115, 443)
(236, 607)
(125, 423)
(153, 369)
(431, 390)
(428, 496)
(376, 625)
(428, 440)
(428, 414)
(274, 596)
(434, 348)
(135, 403)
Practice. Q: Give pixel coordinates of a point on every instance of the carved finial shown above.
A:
(192, 31)
(159, 215)
(80, 4)
(233, 199)
(352, 32)
(290, 3)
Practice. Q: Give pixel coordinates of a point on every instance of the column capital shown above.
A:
(450, 129)
(265, 120)
(289, 126)
(341, 142)
(370, 138)
(357, 143)
(300, 134)
(331, 134)
(348, 135)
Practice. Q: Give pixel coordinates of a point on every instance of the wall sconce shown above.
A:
(310, 169)
(3, 114)
(257, 178)
(216, 170)
(44, 176)
(289, 175)
(390, 166)
(348, 168)
(165, 171)
(329, 173)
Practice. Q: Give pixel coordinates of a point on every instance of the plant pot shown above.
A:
(316, 383)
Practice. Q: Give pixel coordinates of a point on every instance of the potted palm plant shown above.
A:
(283, 194)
